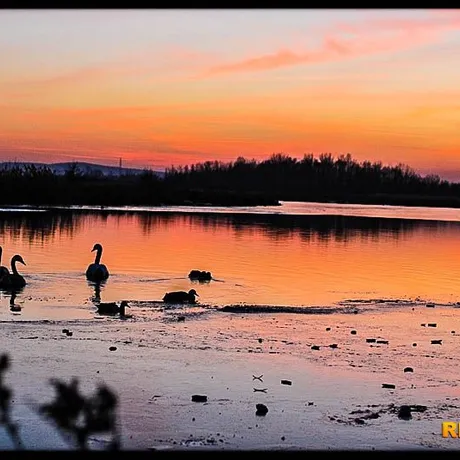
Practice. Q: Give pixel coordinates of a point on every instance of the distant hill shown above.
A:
(62, 168)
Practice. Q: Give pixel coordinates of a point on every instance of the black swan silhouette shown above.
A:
(14, 279)
(97, 271)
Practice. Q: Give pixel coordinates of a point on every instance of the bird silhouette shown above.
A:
(14, 280)
(180, 297)
(3, 270)
(200, 275)
(97, 271)
(112, 308)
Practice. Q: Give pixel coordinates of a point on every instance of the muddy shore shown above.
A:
(337, 366)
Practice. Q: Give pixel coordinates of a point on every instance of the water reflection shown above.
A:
(340, 228)
(200, 282)
(308, 227)
(255, 259)
(97, 286)
(38, 226)
(13, 306)
(45, 226)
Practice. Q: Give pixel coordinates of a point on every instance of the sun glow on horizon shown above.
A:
(174, 87)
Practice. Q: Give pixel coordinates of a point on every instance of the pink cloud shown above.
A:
(367, 38)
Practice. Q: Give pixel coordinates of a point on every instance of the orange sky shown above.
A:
(163, 87)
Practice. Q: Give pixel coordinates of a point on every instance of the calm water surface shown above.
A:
(297, 254)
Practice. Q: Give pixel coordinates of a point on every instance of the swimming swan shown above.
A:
(180, 297)
(14, 279)
(3, 270)
(97, 271)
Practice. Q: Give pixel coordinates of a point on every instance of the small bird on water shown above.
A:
(200, 275)
(180, 296)
(112, 308)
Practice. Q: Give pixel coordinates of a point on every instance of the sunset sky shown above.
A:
(164, 87)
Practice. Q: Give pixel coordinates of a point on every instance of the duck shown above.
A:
(97, 271)
(200, 275)
(14, 279)
(112, 308)
(3, 270)
(180, 297)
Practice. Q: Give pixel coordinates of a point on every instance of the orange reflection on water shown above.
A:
(301, 261)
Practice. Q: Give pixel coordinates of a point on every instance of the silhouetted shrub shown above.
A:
(81, 416)
(72, 413)
(5, 408)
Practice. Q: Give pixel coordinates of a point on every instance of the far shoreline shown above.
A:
(285, 209)
(243, 182)
(411, 201)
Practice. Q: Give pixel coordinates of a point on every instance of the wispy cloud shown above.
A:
(332, 48)
(340, 41)
(348, 40)
(171, 64)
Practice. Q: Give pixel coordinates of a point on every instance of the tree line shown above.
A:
(239, 182)
(321, 178)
